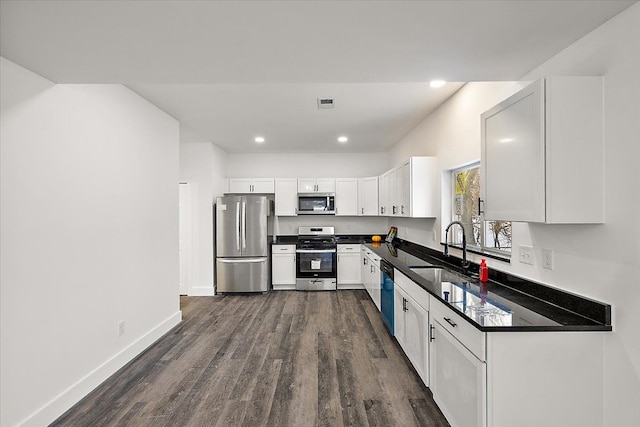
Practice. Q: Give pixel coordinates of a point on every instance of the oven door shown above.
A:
(316, 263)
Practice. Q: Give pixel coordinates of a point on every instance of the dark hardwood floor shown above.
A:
(285, 358)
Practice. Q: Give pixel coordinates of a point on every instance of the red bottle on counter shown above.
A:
(484, 271)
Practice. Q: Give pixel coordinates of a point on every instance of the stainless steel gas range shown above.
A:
(316, 259)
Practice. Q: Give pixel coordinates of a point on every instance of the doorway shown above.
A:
(185, 236)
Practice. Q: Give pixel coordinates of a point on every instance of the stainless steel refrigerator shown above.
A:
(241, 244)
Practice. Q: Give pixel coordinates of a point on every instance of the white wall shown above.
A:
(598, 261)
(89, 220)
(306, 165)
(452, 134)
(286, 225)
(314, 165)
(203, 167)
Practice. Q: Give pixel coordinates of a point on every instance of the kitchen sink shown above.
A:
(438, 274)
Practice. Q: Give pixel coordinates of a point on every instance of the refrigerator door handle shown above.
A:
(244, 225)
(238, 226)
(241, 260)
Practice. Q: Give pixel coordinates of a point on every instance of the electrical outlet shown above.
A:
(547, 259)
(526, 254)
(121, 328)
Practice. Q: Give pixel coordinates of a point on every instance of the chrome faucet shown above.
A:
(465, 263)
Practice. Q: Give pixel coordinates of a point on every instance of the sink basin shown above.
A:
(438, 274)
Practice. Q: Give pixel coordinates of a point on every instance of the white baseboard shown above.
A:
(351, 286)
(65, 400)
(201, 291)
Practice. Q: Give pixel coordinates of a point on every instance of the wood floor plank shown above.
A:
(284, 358)
(329, 409)
(260, 406)
(353, 413)
(427, 413)
(377, 414)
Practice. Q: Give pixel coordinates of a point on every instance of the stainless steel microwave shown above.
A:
(316, 204)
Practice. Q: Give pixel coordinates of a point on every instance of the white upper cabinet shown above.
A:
(251, 185)
(286, 198)
(385, 193)
(542, 153)
(316, 185)
(346, 196)
(411, 190)
(368, 196)
(401, 196)
(421, 188)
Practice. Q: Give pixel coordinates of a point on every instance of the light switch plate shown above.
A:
(526, 254)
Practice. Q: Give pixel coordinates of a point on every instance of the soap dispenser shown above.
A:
(484, 271)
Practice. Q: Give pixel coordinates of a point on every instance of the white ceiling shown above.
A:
(230, 70)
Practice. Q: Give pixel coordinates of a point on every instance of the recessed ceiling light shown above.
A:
(259, 139)
(437, 83)
(342, 139)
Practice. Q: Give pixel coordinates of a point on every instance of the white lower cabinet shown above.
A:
(411, 323)
(349, 272)
(458, 379)
(375, 278)
(370, 269)
(283, 267)
(506, 379)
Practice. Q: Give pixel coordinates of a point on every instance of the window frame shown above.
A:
(482, 248)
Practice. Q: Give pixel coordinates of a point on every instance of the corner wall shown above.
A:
(203, 168)
(89, 221)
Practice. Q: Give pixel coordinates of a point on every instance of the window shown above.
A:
(484, 235)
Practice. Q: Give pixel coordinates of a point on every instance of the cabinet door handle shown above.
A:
(364, 261)
(402, 210)
(404, 304)
(431, 337)
(451, 322)
(372, 269)
(362, 211)
(480, 211)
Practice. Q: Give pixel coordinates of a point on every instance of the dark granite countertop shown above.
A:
(340, 239)
(283, 240)
(504, 303)
(353, 238)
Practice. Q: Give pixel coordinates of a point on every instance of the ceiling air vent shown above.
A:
(325, 103)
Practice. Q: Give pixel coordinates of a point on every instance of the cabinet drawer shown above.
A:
(419, 295)
(283, 249)
(462, 330)
(348, 248)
